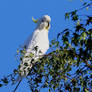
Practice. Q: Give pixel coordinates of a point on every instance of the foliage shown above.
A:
(69, 66)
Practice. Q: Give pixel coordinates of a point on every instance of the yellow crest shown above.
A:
(34, 20)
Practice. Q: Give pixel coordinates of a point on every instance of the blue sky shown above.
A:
(16, 25)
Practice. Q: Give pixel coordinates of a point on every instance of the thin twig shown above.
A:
(85, 6)
(81, 8)
(17, 86)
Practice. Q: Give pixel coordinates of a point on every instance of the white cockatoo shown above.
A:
(37, 44)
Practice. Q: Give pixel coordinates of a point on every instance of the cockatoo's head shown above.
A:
(43, 22)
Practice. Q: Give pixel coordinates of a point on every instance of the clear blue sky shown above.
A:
(16, 25)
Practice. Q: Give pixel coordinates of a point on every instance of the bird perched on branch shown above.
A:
(35, 46)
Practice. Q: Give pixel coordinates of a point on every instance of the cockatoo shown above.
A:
(37, 44)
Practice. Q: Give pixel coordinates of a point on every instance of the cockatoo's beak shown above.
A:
(48, 27)
(34, 20)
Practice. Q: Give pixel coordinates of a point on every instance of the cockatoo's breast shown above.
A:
(40, 40)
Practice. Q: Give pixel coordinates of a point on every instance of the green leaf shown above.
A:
(86, 90)
(66, 15)
(5, 80)
(75, 17)
(75, 89)
(73, 13)
(84, 35)
(15, 71)
(1, 85)
(89, 21)
(31, 55)
(53, 42)
(17, 51)
(25, 64)
(85, 3)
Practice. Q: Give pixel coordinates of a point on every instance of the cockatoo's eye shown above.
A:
(42, 20)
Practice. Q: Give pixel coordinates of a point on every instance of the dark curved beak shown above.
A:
(48, 24)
